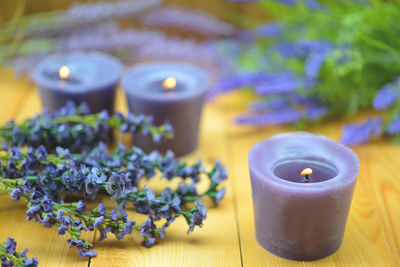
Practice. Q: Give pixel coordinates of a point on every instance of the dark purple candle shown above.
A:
(89, 77)
(168, 91)
(301, 217)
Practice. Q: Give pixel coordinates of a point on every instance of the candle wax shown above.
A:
(295, 219)
(290, 169)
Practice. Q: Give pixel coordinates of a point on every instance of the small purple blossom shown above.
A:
(394, 126)
(61, 229)
(80, 206)
(387, 96)
(87, 253)
(15, 194)
(189, 19)
(359, 133)
(273, 29)
(10, 246)
(271, 118)
(98, 222)
(31, 262)
(278, 83)
(313, 64)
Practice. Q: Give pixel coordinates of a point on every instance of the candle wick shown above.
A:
(307, 178)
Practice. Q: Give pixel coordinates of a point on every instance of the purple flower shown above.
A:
(315, 5)
(271, 118)
(314, 46)
(278, 83)
(61, 229)
(15, 153)
(101, 209)
(89, 253)
(394, 126)
(313, 64)
(114, 215)
(15, 194)
(314, 112)
(32, 262)
(147, 227)
(4, 146)
(10, 246)
(32, 212)
(79, 244)
(41, 153)
(149, 242)
(359, 133)
(219, 196)
(80, 206)
(98, 222)
(103, 10)
(47, 204)
(269, 104)
(189, 19)
(198, 216)
(387, 96)
(269, 30)
(36, 197)
(103, 234)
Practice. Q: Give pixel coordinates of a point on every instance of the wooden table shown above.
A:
(372, 236)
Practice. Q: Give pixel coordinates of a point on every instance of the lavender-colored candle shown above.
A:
(168, 91)
(301, 216)
(89, 77)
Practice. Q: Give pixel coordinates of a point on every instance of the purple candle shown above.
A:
(80, 77)
(302, 187)
(168, 91)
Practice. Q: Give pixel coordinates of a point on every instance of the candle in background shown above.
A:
(80, 77)
(168, 91)
(302, 187)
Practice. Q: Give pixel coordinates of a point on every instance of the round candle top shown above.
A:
(77, 71)
(281, 159)
(165, 81)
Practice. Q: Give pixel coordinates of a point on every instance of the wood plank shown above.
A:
(365, 242)
(13, 93)
(216, 244)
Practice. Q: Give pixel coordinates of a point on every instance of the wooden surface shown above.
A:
(372, 236)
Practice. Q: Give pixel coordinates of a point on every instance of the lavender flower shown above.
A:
(394, 126)
(9, 257)
(90, 12)
(278, 83)
(314, 112)
(313, 64)
(10, 246)
(277, 103)
(271, 118)
(272, 29)
(185, 18)
(387, 95)
(359, 133)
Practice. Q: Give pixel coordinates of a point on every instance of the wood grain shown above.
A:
(372, 237)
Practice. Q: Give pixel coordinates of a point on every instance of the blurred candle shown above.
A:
(80, 77)
(302, 187)
(168, 91)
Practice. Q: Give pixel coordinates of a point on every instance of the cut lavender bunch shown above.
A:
(43, 179)
(75, 128)
(117, 173)
(10, 257)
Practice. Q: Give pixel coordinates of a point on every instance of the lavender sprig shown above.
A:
(75, 128)
(9, 257)
(117, 173)
(42, 180)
